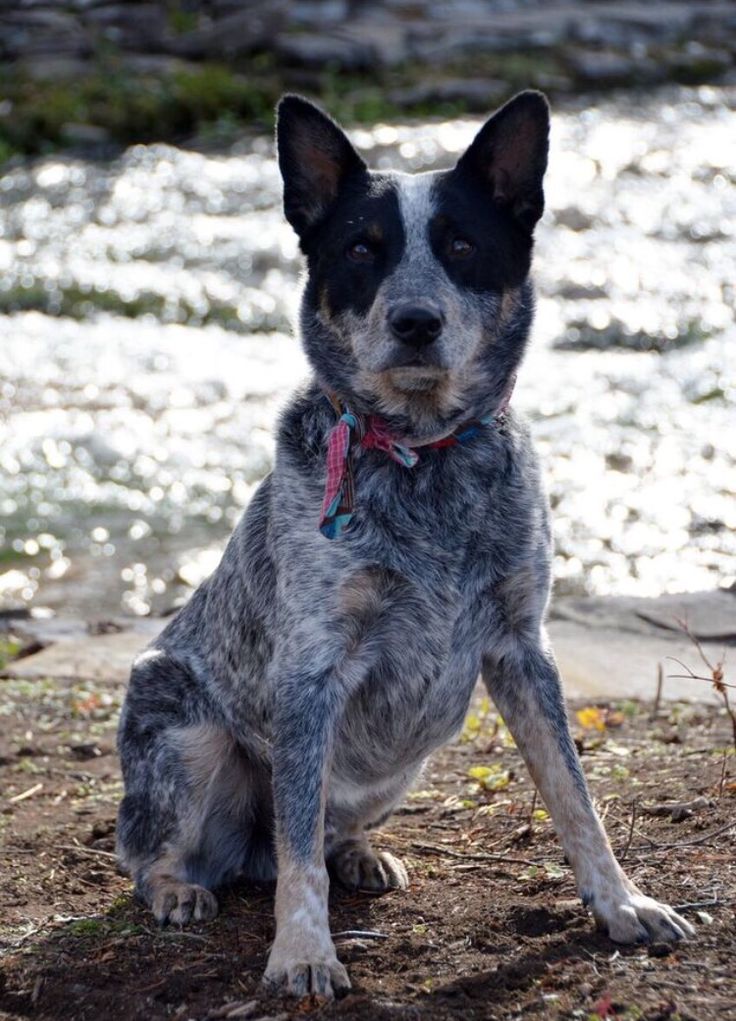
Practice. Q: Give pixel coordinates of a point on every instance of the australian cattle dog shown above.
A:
(399, 549)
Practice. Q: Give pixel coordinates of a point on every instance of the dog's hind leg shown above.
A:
(524, 683)
(194, 813)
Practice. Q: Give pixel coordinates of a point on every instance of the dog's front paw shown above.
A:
(300, 978)
(630, 917)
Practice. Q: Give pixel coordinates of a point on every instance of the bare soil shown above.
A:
(490, 928)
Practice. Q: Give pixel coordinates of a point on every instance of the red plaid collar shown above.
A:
(371, 432)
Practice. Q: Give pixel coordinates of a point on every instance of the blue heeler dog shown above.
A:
(400, 548)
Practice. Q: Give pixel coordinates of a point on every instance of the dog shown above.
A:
(400, 548)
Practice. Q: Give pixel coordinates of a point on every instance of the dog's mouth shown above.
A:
(416, 378)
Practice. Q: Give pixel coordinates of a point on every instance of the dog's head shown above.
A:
(417, 303)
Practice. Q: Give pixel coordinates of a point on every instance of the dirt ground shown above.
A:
(490, 928)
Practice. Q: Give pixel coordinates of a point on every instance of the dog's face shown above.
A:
(415, 282)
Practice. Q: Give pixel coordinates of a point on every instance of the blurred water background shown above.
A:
(146, 347)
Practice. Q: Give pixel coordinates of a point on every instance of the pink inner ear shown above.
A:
(512, 159)
(319, 163)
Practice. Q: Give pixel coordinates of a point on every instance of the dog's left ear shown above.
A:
(315, 158)
(509, 155)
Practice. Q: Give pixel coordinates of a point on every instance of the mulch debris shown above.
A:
(491, 927)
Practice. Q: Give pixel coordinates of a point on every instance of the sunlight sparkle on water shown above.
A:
(142, 366)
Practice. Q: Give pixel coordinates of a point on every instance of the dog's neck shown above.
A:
(354, 431)
(447, 435)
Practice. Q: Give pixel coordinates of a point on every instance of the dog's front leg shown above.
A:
(303, 958)
(525, 685)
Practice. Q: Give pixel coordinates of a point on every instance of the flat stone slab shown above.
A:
(604, 663)
(614, 646)
(710, 616)
(104, 659)
(606, 647)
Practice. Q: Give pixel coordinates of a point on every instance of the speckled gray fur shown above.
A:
(294, 699)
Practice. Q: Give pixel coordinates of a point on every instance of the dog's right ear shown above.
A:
(315, 158)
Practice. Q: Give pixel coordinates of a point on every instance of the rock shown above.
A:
(611, 646)
(45, 67)
(319, 13)
(388, 43)
(606, 647)
(498, 31)
(85, 136)
(155, 64)
(701, 65)
(50, 630)
(583, 336)
(479, 94)
(571, 291)
(233, 35)
(138, 26)
(29, 32)
(101, 658)
(312, 49)
(573, 218)
(604, 33)
(606, 67)
(711, 616)
(660, 21)
(597, 662)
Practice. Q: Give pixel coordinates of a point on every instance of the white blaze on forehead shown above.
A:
(416, 205)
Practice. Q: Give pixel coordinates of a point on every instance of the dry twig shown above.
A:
(631, 830)
(658, 695)
(716, 678)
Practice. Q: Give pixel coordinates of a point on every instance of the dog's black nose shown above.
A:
(415, 325)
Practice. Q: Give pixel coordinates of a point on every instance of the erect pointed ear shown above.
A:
(315, 158)
(509, 155)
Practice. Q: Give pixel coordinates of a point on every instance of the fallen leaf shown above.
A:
(590, 718)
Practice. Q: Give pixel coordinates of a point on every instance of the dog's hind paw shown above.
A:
(358, 867)
(179, 903)
(631, 917)
(324, 978)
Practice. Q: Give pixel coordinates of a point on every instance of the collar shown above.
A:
(354, 431)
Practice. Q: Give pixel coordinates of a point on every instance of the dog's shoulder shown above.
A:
(302, 429)
(506, 483)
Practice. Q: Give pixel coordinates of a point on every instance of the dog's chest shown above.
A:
(409, 616)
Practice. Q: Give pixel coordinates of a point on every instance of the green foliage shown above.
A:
(214, 100)
(9, 648)
(90, 928)
(76, 302)
(129, 107)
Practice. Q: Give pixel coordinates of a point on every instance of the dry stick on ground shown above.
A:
(95, 851)
(716, 674)
(678, 810)
(703, 839)
(658, 696)
(723, 776)
(469, 856)
(631, 830)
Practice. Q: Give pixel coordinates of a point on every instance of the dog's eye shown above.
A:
(360, 252)
(461, 248)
